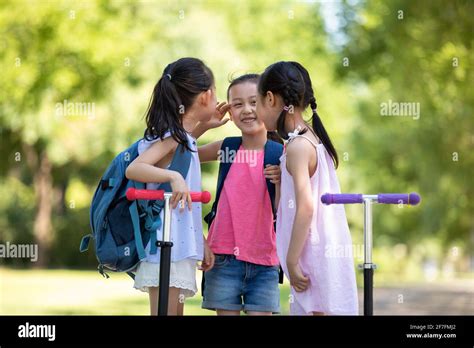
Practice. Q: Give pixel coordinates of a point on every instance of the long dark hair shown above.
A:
(251, 78)
(174, 93)
(292, 82)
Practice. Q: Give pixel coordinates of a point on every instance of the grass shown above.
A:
(73, 292)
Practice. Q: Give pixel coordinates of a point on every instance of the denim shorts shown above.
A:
(238, 285)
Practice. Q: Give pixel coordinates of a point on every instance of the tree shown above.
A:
(415, 52)
(76, 79)
(58, 62)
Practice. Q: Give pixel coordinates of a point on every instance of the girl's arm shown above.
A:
(299, 157)
(143, 169)
(209, 152)
(209, 257)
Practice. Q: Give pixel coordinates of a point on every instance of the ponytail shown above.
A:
(174, 93)
(163, 113)
(321, 132)
(272, 135)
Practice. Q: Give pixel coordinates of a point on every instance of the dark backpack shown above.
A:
(273, 152)
(121, 228)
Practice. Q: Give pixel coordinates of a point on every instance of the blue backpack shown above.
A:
(121, 229)
(273, 152)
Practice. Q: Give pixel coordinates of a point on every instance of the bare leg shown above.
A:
(258, 313)
(174, 307)
(153, 295)
(173, 301)
(226, 312)
(181, 308)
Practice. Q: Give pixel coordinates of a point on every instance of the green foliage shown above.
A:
(414, 51)
(108, 56)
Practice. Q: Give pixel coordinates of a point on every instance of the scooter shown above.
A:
(165, 244)
(368, 200)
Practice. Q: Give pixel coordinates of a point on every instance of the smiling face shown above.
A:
(243, 101)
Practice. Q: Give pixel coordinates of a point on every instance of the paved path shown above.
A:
(455, 298)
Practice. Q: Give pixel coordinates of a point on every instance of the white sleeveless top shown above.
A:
(186, 227)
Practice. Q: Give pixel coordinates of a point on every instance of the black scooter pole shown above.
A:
(368, 265)
(165, 259)
(368, 291)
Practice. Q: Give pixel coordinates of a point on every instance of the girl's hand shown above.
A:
(273, 173)
(209, 258)
(217, 118)
(297, 280)
(181, 193)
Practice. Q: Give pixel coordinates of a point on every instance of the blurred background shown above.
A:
(391, 79)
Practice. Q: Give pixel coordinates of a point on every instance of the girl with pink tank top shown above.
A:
(241, 235)
(308, 233)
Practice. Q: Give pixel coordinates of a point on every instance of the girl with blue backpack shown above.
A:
(183, 96)
(245, 275)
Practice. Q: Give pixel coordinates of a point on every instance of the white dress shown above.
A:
(327, 258)
(186, 235)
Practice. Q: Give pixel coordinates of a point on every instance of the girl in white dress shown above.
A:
(183, 96)
(322, 281)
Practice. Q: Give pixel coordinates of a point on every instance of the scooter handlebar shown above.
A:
(134, 194)
(384, 198)
(341, 198)
(399, 198)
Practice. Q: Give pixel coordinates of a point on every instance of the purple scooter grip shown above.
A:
(383, 198)
(341, 198)
(397, 198)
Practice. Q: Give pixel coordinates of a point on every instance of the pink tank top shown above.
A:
(243, 225)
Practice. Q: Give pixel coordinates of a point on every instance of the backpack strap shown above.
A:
(137, 209)
(273, 152)
(84, 246)
(180, 163)
(229, 144)
(136, 230)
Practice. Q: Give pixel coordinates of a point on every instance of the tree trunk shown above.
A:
(59, 197)
(43, 230)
